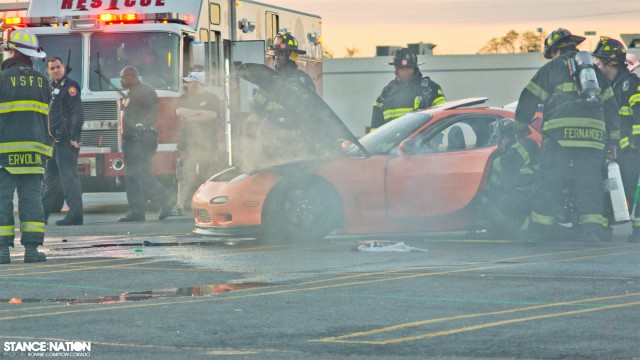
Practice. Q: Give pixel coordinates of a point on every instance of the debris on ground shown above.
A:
(386, 246)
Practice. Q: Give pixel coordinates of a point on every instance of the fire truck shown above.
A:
(164, 40)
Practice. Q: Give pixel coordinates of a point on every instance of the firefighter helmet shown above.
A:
(610, 50)
(286, 41)
(632, 62)
(24, 41)
(560, 38)
(403, 57)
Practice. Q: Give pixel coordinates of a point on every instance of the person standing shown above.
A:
(409, 91)
(66, 117)
(24, 144)
(197, 145)
(140, 142)
(611, 58)
(580, 121)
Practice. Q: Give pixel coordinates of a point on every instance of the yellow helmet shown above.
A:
(23, 41)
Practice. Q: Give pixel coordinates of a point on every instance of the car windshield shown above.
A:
(390, 135)
(66, 47)
(154, 54)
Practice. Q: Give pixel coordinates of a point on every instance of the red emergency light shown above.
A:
(13, 21)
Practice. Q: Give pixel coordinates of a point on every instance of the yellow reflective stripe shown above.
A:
(581, 144)
(24, 105)
(624, 142)
(273, 106)
(523, 153)
(526, 171)
(26, 146)
(25, 170)
(377, 104)
(416, 102)
(32, 226)
(566, 87)
(614, 135)
(574, 122)
(605, 222)
(634, 99)
(625, 110)
(394, 113)
(608, 94)
(542, 219)
(8, 230)
(497, 164)
(636, 129)
(438, 101)
(635, 222)
(591, 219)
(537, 91)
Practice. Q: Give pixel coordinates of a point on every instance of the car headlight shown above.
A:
(219, 200)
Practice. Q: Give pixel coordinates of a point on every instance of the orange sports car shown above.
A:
(418, 173)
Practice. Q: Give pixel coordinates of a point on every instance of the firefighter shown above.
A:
(24, 144)
(140, 142)
(611, 58)
(66, 117)
(580, 121)
(510, 182)
(409, 91)
(278, 134)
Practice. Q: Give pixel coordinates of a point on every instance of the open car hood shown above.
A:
(320, 127)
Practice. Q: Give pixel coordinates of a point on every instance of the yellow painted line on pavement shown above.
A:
(276, 292)
(471, 316)
(86, 268)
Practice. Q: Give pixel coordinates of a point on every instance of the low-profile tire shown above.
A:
(301, 209)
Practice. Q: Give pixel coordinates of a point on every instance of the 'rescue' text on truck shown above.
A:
(165, 40)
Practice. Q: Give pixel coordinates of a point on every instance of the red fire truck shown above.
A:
(165, 40)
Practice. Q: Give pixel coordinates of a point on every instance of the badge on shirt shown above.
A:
(56, 91)
(73, 91)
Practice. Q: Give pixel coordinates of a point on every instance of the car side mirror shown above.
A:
(407, 146)
(345, 144)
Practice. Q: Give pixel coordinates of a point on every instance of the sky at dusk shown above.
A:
(459, 26)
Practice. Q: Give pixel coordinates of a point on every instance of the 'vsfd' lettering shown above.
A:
(97, 4)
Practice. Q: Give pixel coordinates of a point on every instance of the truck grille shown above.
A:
(101, 124)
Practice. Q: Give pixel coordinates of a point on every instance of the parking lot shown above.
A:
(154, 290)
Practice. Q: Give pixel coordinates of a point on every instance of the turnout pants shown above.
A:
(62, 175)
(30, 209)
(558, 163)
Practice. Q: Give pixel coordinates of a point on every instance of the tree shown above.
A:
(351, 52)
(513, 42)
(326, 53)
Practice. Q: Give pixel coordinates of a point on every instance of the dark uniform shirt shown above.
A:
(516, 167)
(141, 107)
(66, 115)
(569, 120)
(24, 105)
(399, 98)
(626, 87)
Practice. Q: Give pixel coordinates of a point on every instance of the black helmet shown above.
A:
(286, 41)
(610, 50)
(558, 38)
(404, 57)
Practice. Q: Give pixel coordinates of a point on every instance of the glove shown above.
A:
(612, 152)
(634, 141)
(521, 129)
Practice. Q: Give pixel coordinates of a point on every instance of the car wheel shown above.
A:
(301, 209)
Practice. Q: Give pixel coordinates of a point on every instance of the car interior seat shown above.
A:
(455, 139)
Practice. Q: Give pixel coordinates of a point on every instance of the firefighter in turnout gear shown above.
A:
(278, 133)
(409, 91)
(611, 58)
(580, 121)
(24, 144)
(508, 193)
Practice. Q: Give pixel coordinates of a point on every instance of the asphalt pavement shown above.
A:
(154, 290)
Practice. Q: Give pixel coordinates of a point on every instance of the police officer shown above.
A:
(580, 121)
(508, 193)
(66, 117)
(611, 58)
(409, 91)
(24, 144)
(278, 134)
(140, 137)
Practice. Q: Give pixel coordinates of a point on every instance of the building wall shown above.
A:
(351, 85)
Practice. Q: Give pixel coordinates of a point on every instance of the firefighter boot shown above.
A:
(635, 236)
(32, 255)
(5, 255)
(592, 239)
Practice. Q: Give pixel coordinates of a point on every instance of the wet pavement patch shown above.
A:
(132, 296)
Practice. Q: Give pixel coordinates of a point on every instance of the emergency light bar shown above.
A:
(87, 22)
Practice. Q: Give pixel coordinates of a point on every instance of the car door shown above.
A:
(445, 168)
